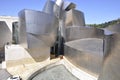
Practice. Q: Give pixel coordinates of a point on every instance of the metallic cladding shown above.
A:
(74, 33)
(40, 24)
(22, 33)
(86, 54)
(48, 8)
(82, 54)
(111, 67)
(38, 30)
(74, 18)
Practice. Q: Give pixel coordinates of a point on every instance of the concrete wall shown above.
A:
(5, 34)
(17, 55)
(9, 20)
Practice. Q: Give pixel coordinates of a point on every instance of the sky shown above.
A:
(95, 11)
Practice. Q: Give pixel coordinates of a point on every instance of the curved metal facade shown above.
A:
(48, 8)
(86, 54)
(74, 33)
(111, 67)
(39, 24)
(84, 48)
(114, 28)
(38, 32)
(74, 18)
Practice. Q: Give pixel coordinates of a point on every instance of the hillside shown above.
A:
(106, 24)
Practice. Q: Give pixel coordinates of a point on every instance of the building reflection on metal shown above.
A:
(40, 25)
(38, 31)
(84, 48)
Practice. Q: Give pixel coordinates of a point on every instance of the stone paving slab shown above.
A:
(4, 74)
(55, 73)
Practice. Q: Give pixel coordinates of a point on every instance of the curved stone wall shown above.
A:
(5, 34)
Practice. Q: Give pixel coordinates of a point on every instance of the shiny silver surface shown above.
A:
(22, 33)
(74, 18)
(84, 48)
(48, 8)
(41, 25)
(37, 48)
(86, 54)
(111, 66)
(37, 32)
(114, 28)
(74, 33)
(5, 34)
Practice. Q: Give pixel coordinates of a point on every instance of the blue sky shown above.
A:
(95, 11)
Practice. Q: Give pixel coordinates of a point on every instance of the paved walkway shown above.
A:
(4, 74)
(55, 69)
(55, 73)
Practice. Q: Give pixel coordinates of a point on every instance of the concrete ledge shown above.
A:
(17, 55)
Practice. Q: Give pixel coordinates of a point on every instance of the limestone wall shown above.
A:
(9, 20)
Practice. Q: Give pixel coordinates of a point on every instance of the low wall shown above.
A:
(17, 55)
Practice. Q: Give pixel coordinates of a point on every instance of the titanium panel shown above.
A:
(114, 28)
(86, 54)
(39, 32)
(74, 18)
(41, 24)
(111, 67)
(74, 33)
(5, 34)
(37, 48)
(22, 33)
(48, 8)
